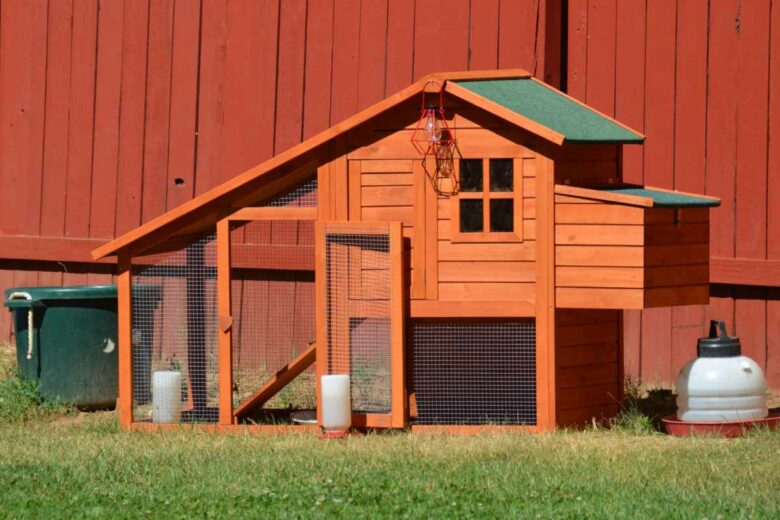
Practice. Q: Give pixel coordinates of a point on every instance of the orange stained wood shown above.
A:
(224, 313)
(472, 309)
(274, 213)
(399, 402)
(125, 340)
(545, 296)
(605, 196)
(588, 376)
(419, 251)
(321, 323)
(280, 379)
(431, 226)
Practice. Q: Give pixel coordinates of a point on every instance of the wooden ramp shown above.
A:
(274, 385)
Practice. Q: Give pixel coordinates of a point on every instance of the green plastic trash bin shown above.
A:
(66, 339)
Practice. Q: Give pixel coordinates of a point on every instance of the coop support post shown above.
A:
(545, 294)
(125, 340)
(225, 319)
(321, 301)
(399, 406)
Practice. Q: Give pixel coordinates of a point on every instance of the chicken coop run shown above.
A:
(471, 281)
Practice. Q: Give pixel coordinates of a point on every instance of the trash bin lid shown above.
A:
(41, 294)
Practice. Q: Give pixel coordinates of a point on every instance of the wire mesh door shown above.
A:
(360, 317)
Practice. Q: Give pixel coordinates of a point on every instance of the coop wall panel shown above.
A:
(587, 365)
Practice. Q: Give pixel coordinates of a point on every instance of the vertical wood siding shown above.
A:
(112, 112)
(702, 80)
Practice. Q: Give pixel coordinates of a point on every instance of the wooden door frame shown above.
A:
(397, 418)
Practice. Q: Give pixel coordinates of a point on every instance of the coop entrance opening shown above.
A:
(360, 299)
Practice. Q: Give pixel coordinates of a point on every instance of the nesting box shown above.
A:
(477, 289)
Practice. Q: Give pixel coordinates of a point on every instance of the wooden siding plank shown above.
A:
(372, 52)
(598, 214)
(55, 152)
(319, 55)
(387, 166)
(471, 309)
(626, 277)
(598, 298)
(22, 117)
(630, 81)
(108, 85)
(600, 61)
(486, 291)
(585, 234)
(483, 36)
(618, 256)
(375, 196)
(184, 101)
(131, 117)
(290, 74)
(346, 49)
(400, 45)
(517, 22)
(521, 251)
(386, 179)
(157, 110)
(486, 272)
(438, 21)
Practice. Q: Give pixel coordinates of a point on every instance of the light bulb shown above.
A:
(433, 126)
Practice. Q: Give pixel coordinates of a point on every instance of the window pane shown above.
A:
(471, 220)
(502, 215)
(501, 174)
(471, 175)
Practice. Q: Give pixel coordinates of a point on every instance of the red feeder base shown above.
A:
(724, 429)
(333, 435)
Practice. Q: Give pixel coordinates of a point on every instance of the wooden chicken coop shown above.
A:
(462, 249)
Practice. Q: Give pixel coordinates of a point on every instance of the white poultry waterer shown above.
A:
(721, 385)
(336, 405)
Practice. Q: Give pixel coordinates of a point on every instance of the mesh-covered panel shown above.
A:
(357, 271)
(174, 328)
(302, 196)
(473, 372)
(272, 292)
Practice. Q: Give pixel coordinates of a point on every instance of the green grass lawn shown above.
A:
(86, 466)
(66, 466)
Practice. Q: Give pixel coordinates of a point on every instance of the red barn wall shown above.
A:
(112, 112)
(701, 78)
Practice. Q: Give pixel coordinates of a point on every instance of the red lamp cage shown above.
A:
(432, 136)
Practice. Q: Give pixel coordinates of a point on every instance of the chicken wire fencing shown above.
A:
(473, 372)
(302, 196)
(358, 292)
(273, 309)
(174, 332)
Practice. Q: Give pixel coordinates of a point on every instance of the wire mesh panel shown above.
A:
(302, 196)
(272, 292)
(174, 297)
(473, 372)
(358, 313)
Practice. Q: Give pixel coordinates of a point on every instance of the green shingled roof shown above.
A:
(664, 198)
(552, 109)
